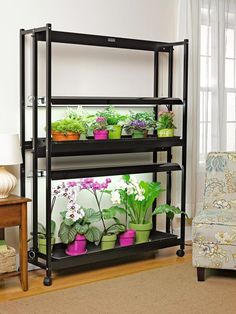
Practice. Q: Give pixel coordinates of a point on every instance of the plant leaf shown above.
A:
(81, 229)
(41, 228)
(93, 234)
(91, 216)
(67, 233)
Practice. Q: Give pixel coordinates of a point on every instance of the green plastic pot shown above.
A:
(42, 245)
(115, 132)
(142, 231)
(108, 241)
(165, 133)
(139, 134)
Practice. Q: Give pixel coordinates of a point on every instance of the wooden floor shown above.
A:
(10, 287)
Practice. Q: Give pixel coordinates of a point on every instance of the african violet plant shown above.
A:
(140, 122)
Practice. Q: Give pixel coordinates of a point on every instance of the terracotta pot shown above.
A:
(70, 136)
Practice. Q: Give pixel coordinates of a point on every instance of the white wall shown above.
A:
(79, 70)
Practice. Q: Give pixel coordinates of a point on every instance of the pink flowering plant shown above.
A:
(100, 123)
(97, 189)
(76, 219)
(165, 120)
(134, 198)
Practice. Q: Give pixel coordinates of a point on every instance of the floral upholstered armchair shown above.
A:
(214, 228)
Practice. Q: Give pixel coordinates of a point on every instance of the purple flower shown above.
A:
(138, 124)
(108, 180)
(101, 120)
(104, 185)
(96, 186)
(71, 184)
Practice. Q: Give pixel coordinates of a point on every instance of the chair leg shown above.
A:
(200, 274)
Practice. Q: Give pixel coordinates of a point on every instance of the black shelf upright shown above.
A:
(46, 148)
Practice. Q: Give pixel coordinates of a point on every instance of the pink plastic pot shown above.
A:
(100, 134)
(77, 247)
(127, 238)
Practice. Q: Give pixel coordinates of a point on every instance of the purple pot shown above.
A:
(127, 238)
(77, 247)
(100, 134)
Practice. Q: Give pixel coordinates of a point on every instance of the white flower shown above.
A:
(115, 197)
(122, 185)
(134, 181)
(72, 214)
(73, 206)
(130, 190)
(139, 197)
(223, 237)
(81, 213)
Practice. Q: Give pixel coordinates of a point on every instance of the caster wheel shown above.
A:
(180, 253)
(47, 281)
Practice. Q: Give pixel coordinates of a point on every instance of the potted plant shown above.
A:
(139, 124)
(109, 234)
(115, 121)
(137, 198)
(67, 129)
(170, 212)
(42, 237)
(99, 127)
(76, 228)
(165, 124)
(82, 115)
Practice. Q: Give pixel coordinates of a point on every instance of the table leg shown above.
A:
(23, 248)
(1, 234)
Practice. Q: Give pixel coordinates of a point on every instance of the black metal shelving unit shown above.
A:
(46, 148)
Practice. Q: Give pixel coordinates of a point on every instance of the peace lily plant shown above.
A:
(136, 199)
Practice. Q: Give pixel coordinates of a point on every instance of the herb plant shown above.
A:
(68, 125)
(112, 116)
(165, 120)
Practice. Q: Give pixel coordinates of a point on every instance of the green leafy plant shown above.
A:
(79, 223)
(68, 125)
(112, 116)
(82, 115)
(135, 197)
(165, 120)
(42, 230)
(170, 212)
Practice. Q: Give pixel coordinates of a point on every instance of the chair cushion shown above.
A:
(215, 226)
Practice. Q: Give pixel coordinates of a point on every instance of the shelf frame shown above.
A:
(48, 149)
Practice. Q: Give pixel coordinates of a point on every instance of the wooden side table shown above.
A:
(13, 212)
